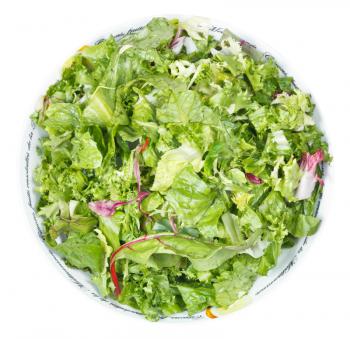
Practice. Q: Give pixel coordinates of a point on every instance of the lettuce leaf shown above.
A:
(101, 279)
(290, 181)
(61, 117)
(204, 256)
(158, 32)
(185, 107)
(189, 196)
(83, 251)
(196, 298)
(151, 292)
(304, 225)
(172, 162)
(233, 285)
(85, 153)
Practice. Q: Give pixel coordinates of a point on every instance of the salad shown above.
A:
(176, 165)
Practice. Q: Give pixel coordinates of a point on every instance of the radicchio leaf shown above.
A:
(308, 165)
(253, 179)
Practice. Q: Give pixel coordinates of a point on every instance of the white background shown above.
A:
(38, 301)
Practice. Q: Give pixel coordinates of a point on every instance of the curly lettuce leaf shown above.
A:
(150, 291)
(61, 117)
(233, 285)
(196, 298)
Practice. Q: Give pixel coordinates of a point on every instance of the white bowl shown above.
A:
(286, 260)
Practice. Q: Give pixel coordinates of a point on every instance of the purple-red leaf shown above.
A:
(106, 208)
(141, 196)
(253, 179)
(308, 165)
(310, 161)
(176, 37)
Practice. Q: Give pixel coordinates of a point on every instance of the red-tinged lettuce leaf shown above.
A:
(106, 208)
(253, 179)
(308, 166)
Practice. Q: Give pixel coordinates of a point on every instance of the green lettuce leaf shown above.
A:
(110, 227)
(232, 227)
(150, 291)
(204, 256)
(185, 107)
(61, 117)
(196, 298)
(83, 251)
(100, 108)
(292, 111)
(304, 225)
(158, 32)
(101, 279)
(85, 153)
(290, 181)
(273, 207)
(172, 162)
(233, 285)
(208, 224)
(269, 259)
(189, 196)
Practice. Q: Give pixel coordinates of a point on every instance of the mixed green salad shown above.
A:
(176, 166)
